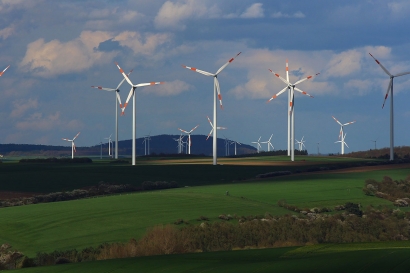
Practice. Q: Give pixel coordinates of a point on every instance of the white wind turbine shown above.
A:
(117, 97)
(235, 142)
(180, 143)
(72, 144)
(269, 143)
(390, 89)
(291, 117)
(2, 72)
(146, 141)
(217, 92)
(189, 137)
(342, 142)
(341, 132)
(212, 130)
(109, 144)
(132, 94)
(301, 143)
(258, 144)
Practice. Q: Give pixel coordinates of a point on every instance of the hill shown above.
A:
(161, 144)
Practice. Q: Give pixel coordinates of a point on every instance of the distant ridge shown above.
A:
(160, 144)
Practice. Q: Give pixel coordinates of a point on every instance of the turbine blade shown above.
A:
(303, 92)
(221, 128)
(337, 121)
(74, 147)
(119, 99)
(4, 70)
(307, 78)
(76, 136)
(387, 93)
(218, 90)
(147, 84)
(210, 133)
(349, 123)
(103, 88)
(287, 70)
(384, 69)
(123, 74)
(282, 79)
(128, 99)
(280, 92)
(225, 65)
(121, 82)
(183, 131)
(199, 71)
(210, 122)
(194, 128)
(401, 74)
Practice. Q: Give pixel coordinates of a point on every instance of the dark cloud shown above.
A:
(109, 46)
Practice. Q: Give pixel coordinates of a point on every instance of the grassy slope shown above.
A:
(89, 222)
(376, 257)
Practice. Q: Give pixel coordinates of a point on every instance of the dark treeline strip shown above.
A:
(382, 224)
(56, 160)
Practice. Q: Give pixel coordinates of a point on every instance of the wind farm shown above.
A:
(275, 191)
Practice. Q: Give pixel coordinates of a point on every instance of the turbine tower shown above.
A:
(212, 130)
(258, 144)
(390, 89)
(217, 92)
(72, 144)
(269, 143)
(117, 97)
(109, 144)
(342, 142)
(189, 137)
(235, 142)
(291, 117)
(132, 94)
(341, 134)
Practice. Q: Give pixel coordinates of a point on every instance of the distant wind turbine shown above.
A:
(258, 144)
(72, 144)
(269, 143)
(189, 137)
(341, 133)
(291, 87)
(390, 89)
(342, 141)
(109, 144)
(212, 130)
(117, 98)
(4, 70)
(236, 142)
(217, 92)
(301, 144)
(132, 94)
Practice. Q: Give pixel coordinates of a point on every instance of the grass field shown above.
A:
(89, 222)
(369, 257)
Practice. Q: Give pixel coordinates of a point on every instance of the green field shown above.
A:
(90, 222)
(368, 257)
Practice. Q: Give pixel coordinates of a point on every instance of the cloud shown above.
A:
(359, 87)
(47, 59)
(171, 14)
(344, 63)
(279, 14)
(36, 122)
(142, 44)
(20, 107)
(168, 88)
(6, 32)
(254, 11)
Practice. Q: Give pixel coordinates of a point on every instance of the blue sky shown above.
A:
(59, 49)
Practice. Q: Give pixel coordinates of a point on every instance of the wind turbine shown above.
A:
(189, 137)
(342, 141)
(132, 94)
(235, 142)
(301, 143)
(217, 92)
(374, 143)
(341, 132)
(109, 144)
(72, 144)
(291, 117)
(146, 140)
(269, 144)
(212, 130)
(390, 88)
(2, 72)
(117, 97)
(180, 145)
(258, 144)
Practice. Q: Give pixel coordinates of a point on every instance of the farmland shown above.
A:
(118, 218)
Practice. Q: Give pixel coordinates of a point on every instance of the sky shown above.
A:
(57, 50)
